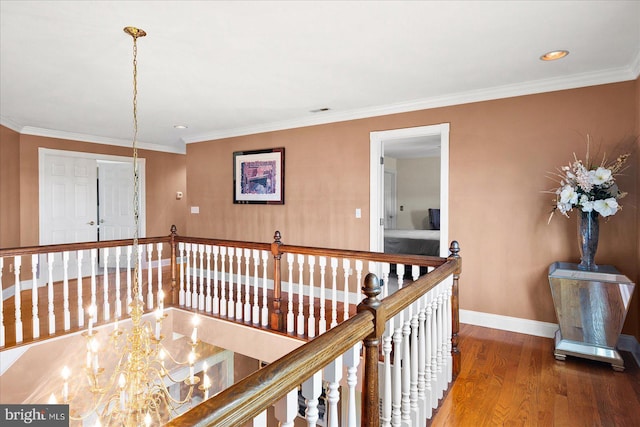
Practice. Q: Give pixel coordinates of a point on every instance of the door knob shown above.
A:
(91, 223)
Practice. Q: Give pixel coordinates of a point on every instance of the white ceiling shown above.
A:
(233, 68)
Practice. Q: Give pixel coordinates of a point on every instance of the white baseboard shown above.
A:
(533, 327)
(507, 323)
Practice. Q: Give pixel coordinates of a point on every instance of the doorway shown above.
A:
(86, 197)
(407, 141)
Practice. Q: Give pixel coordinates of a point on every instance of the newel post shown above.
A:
(370, 389)
(455, 308)
(174, 263)
(277, 318)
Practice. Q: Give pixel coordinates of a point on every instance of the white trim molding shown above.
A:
(507, 323)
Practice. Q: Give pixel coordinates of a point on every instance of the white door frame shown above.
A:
(44, 152)
(376, 211)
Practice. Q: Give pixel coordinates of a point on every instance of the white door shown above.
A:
(68, 200)
(115, 201)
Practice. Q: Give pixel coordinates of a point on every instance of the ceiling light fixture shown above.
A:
(554, 54)
(180, 126)
(136, 392)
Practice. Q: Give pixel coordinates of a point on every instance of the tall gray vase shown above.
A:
(588, 229)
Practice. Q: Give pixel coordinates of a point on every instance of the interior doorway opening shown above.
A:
(414, 230)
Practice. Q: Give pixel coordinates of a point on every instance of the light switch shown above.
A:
(195, 209)
(358, 213)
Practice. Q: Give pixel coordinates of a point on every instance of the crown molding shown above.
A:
(11, 124)
(50, 133)
(499, 92)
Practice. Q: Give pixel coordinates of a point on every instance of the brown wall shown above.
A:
(9, 188)
(500, 154)
(637, 149)
(165, 174)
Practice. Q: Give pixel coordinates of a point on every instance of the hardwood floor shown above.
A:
(510, 379)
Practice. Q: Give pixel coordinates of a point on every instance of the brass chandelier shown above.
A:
(136, 391)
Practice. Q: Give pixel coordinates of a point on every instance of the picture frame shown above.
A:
(258, 176)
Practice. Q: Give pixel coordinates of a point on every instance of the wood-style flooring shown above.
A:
(510, 379)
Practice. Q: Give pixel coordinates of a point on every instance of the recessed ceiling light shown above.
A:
(320, 110)
(180, 126)
(554, 54)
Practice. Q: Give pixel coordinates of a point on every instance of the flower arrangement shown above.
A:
(589, 187)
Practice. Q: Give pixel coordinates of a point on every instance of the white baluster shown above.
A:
(247, 285)
(300, 326)
(428, 392)
(201, 296)
(194, 272)
(311, 391)
(386, 268)
(265, 307)
(311, 322)
(159, 278)
(231, 305)
(117, 313)
(35, 321)
(449, 333)
(181, 294)
(290, 324)
(17, 264)
(346, 266)
(413, 389)
(187, 275)
(387, 385)
(2, 331)
(260, 420)
(140, 294)
(79, 257)
(359, 267)
(286, 409)
(434, 352)
(52, 316)
(440, 320)
(256, 284)
(352, 360)
(406, 372)
(93, 253)
(396, 412)
(322, 323)
(232, 277)
(105, 285)
(333, 374)
(223, 286)
(215, 303)
(422, 399)
(208, 301)
(334, 292)
(239, 284)
(65, 291)
(129, 279)
(201, 281)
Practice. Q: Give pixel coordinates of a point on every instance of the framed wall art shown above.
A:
(258, 176)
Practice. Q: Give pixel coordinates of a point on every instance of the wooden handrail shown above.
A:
(246, 399)
(30, 250)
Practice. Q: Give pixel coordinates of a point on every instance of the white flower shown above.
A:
(587, 205)
(606, 207)
(600, 175)
(568, 195)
